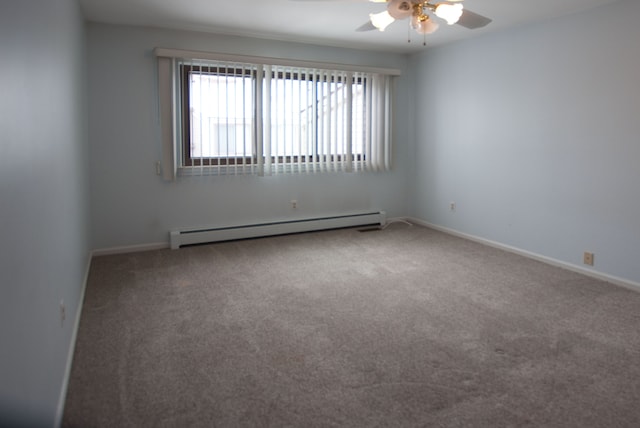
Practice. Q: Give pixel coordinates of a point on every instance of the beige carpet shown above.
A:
(400, 327)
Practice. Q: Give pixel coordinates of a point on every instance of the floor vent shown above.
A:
(370, 229)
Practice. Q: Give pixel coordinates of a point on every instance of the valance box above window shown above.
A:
(233, 114)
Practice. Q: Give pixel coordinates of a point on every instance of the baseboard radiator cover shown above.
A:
(179, 238)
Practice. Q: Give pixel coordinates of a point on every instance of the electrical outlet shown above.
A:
(63, 312)
(587, 258)
(452, 206)
(294, 204)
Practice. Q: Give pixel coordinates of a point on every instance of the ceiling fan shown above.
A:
(421, 13)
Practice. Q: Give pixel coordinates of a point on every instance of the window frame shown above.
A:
(186, 71)
(186, 134)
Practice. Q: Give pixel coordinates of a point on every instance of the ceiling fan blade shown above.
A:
(472, 20)
(367, 26)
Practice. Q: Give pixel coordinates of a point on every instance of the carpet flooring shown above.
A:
(402, 327)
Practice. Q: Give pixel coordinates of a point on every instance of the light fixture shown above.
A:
(400, 9)
(381, 20)
(449, 12)
(423, 24)
(424, 16)
(421, 13)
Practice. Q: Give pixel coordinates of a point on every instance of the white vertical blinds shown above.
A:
(167, 101)
(265, 118)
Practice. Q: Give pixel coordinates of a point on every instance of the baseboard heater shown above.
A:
(179, 238)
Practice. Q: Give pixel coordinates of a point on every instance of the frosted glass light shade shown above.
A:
(400, 9)
(381, 20)
(449, 12)
(427, 26)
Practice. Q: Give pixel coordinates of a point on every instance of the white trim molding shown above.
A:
(130, 249)
(72, 346)
(622, 282)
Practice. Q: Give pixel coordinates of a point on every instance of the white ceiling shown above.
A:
(326, 22)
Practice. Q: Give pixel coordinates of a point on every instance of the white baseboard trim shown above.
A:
(130, 249)
(622, 282)
(72, 346)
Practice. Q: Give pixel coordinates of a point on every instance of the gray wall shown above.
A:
(44, 202)
(131, 205)
(535, 134)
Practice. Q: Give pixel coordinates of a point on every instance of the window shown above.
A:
(233, 117)
(217, 115)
